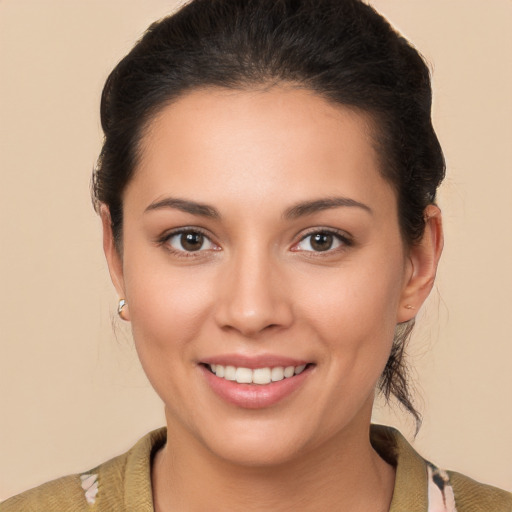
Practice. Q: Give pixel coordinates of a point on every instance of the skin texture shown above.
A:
(257, 288)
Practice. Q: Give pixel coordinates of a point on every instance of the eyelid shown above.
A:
(165, 237)
(342, 236)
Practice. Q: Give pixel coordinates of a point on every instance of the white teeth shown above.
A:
(300, 369)
(261, 376)
(257, 376)
(243, 376)
(277, 373)
(289, 371)
(230, 373)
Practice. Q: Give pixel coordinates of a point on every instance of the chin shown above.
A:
(253, 450)
(271, 441)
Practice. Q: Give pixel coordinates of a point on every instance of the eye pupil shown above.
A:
(192, 241)
(321, 241)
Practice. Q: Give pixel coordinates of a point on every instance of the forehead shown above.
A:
(278, 143)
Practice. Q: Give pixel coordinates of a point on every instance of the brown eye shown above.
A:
(189, 241)
(321, 241)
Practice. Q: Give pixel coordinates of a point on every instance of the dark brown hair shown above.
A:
(341, 49)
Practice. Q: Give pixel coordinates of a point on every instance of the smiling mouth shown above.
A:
(260, 376)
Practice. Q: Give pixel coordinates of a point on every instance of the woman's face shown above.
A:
(259, 235)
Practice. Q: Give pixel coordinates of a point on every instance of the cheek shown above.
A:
(353, 312)
(351, 301)
(168, 305)
(168, 309)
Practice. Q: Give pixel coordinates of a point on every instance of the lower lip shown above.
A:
(254, 396)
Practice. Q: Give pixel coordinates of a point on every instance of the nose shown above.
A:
(253, 295)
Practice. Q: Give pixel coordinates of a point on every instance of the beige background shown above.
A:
(71, 391)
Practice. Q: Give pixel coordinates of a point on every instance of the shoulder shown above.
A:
(459, 493)
(64, 494)
(122, 483)
(472, 496)
(420, 485)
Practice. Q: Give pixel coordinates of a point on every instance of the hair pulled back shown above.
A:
(341, 49)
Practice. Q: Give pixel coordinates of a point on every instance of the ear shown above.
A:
(423, 259)
(114, 259)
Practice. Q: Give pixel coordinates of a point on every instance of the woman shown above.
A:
(267, 190)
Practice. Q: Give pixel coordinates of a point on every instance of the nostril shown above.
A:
(251, 305)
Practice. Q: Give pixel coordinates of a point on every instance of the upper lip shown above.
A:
(253, 362)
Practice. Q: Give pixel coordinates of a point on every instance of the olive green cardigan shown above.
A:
(124, 484)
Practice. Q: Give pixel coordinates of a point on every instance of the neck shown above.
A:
(345, 473)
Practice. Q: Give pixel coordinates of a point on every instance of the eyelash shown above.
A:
(165, 239)
(342, 237)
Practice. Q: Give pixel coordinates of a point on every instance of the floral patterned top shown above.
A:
(124, 483)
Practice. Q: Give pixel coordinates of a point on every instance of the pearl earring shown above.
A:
(120, 312)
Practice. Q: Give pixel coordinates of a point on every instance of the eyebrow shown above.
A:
(298, 210)
(186, 206)
(318, 205)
